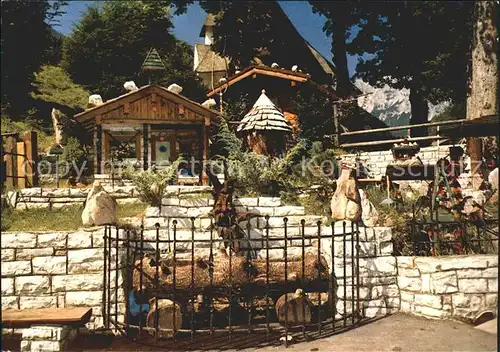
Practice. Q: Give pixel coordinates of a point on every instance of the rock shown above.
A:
(62, 126)
(100, 208)
(210, 103)
(493, 179)
(346, 202)
(369, 214)
(175, 88)
(130, 86)
(95, 100)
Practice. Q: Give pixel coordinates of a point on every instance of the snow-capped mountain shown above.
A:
(390, 105)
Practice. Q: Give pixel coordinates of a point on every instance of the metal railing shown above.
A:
(232, 291)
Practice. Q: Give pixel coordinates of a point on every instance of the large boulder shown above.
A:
(369, 214)
(346, 202)
(100, 208)
(94, 100)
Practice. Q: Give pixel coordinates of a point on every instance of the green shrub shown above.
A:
(152, 183)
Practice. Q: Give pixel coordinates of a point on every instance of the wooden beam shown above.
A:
(287, 76)
(179, 121)
(389, 141)
(398, 128)
(30, 141)
(98, 148)
(15, 318)
(10, 164)
(21, 165)
(145, 145)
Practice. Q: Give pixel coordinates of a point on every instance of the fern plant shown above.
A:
(152, 184)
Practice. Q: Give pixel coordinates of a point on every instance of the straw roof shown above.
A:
(264, 116)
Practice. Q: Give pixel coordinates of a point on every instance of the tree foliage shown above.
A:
(27, 42)
(108, 46)
(422, 46)
(53, 85)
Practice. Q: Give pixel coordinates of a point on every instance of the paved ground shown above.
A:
(396, 333)
(402, 332)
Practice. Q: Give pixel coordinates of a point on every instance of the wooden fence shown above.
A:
(19, 161)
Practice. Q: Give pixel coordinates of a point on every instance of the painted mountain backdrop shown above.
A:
(392, 106)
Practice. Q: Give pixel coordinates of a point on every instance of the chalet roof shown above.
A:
(109, 104)
(273, 72)
(209, 22)
(264, 116)
(208, 60)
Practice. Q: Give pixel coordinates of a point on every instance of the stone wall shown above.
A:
(458, 287)
(377, 161)
(56, 269)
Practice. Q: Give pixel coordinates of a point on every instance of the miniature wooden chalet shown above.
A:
(150, 126)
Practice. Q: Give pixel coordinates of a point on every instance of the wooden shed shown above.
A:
(151, 126)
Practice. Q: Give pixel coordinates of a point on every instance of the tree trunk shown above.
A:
(419, 111)
(298, 309)
(483, 97)
(339, 52)
(166, 311)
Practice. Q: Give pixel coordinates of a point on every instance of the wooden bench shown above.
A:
(46, 328)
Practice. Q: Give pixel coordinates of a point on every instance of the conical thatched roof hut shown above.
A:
(265, 126)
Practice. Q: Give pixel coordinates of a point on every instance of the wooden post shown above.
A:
(98, 148)
(30, 141)
(145, 146)
(203, 154)
(21, 165)
(336, 132)
(10, 164)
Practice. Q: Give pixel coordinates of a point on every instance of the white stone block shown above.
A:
(426, 283)
(79, 192)
(170, 201)
(80, 239)
(250, 202)
(470, 273)
(46, 346)
(379, 266)
(199, 211)
(31, 192)
(82, 282)
(83, 299)
(491, 300)
(262, 211)
(25, 346)
(27, 254)
(98, 239)
(32, 285)
(493, 285)
(49, 265)
(16, 268)
(434, 264)
(10, 302)
(433, 301)
(173, 211)
(431, 312)
(38, 302)
(409, 272)
(7, 255)
(57, 240)
(152, 212)
(287, 210)
(409, 283)
(473, 285)
(269, 201)
(194, 202)
(7, 286)
(444, 282)
(18, 240)
(490, 273)
(383, 234)
(84, 261)
(55, 192)
(373, 312)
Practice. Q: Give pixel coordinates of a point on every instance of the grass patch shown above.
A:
(67, 219)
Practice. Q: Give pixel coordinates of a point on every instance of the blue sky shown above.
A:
(187, 26)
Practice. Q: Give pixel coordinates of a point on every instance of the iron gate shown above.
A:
(184, 292)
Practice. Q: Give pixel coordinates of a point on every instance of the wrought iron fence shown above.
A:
(204, 293)
(435, 235)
